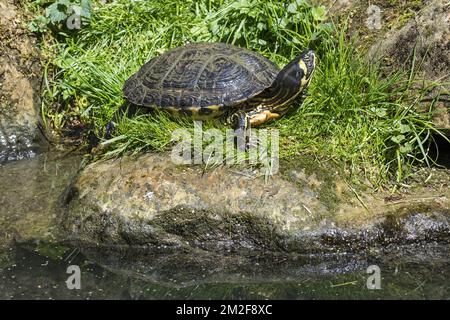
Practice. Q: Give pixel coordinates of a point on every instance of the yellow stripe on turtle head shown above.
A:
(302, 65)
(306, 77)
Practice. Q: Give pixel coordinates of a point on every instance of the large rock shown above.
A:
(30, 196)
(151, 201)
(425, 39)
(20, 75)
(397, 31)
(427, 35)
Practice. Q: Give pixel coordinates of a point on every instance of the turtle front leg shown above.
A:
(241, 124)
(240, 121)
(258, 117)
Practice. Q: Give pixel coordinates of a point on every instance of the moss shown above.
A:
(201, 228)
(6, 259)
(325, 173)
(51, 250)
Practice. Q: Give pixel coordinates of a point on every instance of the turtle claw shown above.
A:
(109, 129)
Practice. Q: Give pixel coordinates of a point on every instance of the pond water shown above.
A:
(34, 260)
(39, 271)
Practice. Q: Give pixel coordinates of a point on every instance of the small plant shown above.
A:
(261, 25)
(62, 15)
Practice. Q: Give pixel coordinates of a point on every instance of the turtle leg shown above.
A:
(256, 118)
(243, 121)
(241, 124)
(109, 129)
(240, 121)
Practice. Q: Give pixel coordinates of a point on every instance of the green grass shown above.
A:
(353, 115)
(356, 115)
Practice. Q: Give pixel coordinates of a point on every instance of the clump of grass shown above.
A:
(353, 114)
(356, 115)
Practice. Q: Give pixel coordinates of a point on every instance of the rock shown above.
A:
(150, 201)
(396, 30)
(30, 192)
(427, 36)
(428, 33)
(371, 20)
(20, 74)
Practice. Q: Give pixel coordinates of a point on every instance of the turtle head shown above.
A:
(307, 64)
(290, 82)
(296, 75)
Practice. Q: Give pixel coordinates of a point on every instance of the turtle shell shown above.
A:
(200, 78)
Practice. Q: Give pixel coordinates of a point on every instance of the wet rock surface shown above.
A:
(30, 196)
(20, 76)
(151, 202)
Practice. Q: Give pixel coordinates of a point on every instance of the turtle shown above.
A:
(207, 80)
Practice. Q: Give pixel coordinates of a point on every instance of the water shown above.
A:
(39, 271)
(34, 259)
